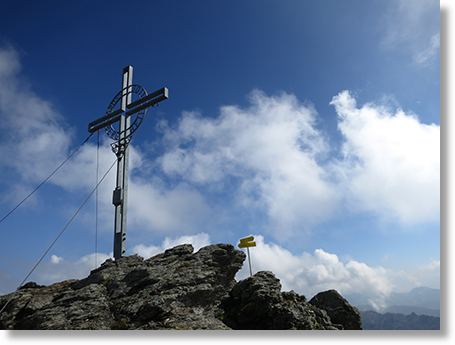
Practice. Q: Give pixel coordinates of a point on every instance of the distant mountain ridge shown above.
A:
(421, 301)
(423, 297)
(408, 310)
(372, 320)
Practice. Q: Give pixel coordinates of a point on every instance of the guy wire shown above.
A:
(47, 251)
(28, 196)
(96, 198)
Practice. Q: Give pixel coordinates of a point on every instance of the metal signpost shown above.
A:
(247, 243)
(123, 115)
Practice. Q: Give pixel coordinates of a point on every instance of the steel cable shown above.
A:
(47, 251)
(28, 196)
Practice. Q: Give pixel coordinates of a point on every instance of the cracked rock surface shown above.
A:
(177, 289)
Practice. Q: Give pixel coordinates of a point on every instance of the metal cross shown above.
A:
(123, 136)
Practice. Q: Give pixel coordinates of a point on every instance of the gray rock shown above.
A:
(339, 309)
(257, 303)
(173, 290)
(177, 289)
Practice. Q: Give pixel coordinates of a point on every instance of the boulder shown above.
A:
(257, 303)
(339, 309)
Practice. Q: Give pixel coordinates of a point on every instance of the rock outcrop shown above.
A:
(258, 303)
(177, 289)
(339, 309)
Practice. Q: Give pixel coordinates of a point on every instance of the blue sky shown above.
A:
(312, 125)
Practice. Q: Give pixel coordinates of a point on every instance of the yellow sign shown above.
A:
(246, 242)
(249, 244)
(247, 239)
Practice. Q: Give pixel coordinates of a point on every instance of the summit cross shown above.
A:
(123, 114)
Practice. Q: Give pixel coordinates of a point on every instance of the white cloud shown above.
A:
(391, 162)
(272, 149)
(30, 125)
(198, 241)
(56, 259)
(172, 210)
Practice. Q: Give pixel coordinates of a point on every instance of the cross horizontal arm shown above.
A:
(105, 121)
(144, 102)
(160, 95)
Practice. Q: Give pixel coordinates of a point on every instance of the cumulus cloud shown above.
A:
(30, 124)
(391, 161)
(55, 259)
(311, 273)
(389, 165)
(155, 207)
(271, 149)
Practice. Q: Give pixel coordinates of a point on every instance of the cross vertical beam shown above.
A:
(120, 196)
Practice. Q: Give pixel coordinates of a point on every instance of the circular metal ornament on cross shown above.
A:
(110, 130)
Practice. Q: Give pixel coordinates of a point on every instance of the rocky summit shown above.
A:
(174, 290)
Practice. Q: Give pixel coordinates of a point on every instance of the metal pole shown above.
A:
(120, 196)
(249, 261)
